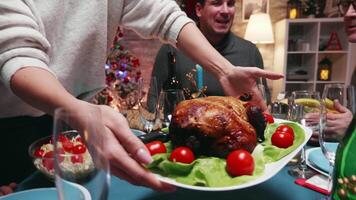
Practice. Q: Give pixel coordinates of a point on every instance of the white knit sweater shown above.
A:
(71, 38)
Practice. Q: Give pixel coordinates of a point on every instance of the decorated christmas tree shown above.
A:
(122, 77)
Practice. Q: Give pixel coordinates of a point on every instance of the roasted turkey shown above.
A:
(212, 126)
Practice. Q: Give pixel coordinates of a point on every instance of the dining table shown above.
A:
(279, 187)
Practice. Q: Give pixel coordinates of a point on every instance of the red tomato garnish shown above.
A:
(156, 147)
(77, 158)
(49, 154)
(285, 129)
(63, 138)
(182, 154)
(282, 139)
(79, 149)
(48, 163)
(38, 153)
(67, 145)
(268, 118)
(240, 162)
(79, 139)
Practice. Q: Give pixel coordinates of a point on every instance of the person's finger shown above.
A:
(258, 73)
(128, 140)
(13, 185)
(119, 173)
(339, 107)
(330, 129)
(257, 99)
(5, 190)
(139, 174)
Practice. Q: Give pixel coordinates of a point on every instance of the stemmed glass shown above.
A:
(148, 102)
(167, 102)
(279, 108)
(80, 167)
(305, 107)
(329, 140)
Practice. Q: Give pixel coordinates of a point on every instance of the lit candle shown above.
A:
(199, 76)
(293, 13)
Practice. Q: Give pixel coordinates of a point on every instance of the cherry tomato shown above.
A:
(79, 149)
(77, 158)
(48, 160)
(268, 118)
(240, 162)
(182, 154)
(49, 154)
(79, 139)
(67, 145)
(285, 129)
(38, 153)
(156, 147)
(48, 163)
(282, 139)
(63, 138)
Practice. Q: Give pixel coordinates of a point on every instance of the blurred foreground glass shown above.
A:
(305, 107)
(330, 139)
(79, 162)
(167, 102)
(148, 102)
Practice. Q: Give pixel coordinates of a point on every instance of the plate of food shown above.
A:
(222, 144)
(74, 157)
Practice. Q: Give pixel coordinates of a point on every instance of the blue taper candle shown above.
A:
(199, 76)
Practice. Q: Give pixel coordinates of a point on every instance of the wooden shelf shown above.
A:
(297, 48)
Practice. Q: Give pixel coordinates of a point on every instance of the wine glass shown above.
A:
(305, 107)
(329, 140)
(148, 102)
(79, 164)
(279, 107)
(168, 99)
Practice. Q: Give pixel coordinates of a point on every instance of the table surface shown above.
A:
(279, 187)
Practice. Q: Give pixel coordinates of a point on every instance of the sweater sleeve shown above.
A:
(22, 39)
(154, 18)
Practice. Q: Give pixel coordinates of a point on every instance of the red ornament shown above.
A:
(116, 39)
(114, 66)
(126, 79)
(109, 99)
(121, 34)
(135, 62)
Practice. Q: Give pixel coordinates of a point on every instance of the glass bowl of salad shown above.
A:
(73, 155)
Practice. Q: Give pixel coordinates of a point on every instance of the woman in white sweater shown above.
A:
(52, 55)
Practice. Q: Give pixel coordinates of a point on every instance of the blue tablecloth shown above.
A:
(280, 187)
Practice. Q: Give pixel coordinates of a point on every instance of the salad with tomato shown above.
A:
(239, 166)
(74, 156)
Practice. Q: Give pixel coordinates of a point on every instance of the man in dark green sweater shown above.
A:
(215, 19)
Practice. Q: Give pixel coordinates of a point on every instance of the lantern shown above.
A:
(324, 70)
(294, 9)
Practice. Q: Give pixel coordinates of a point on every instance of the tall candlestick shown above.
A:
(199, 76)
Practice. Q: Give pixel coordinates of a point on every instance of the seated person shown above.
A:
(215, 19)
(340, 121)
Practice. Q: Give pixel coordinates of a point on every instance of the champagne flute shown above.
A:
(79, 164)
(148, 102)
(305, 107)
(168, 99)
(329, 140)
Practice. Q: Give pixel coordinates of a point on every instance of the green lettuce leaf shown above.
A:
(273, 153)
